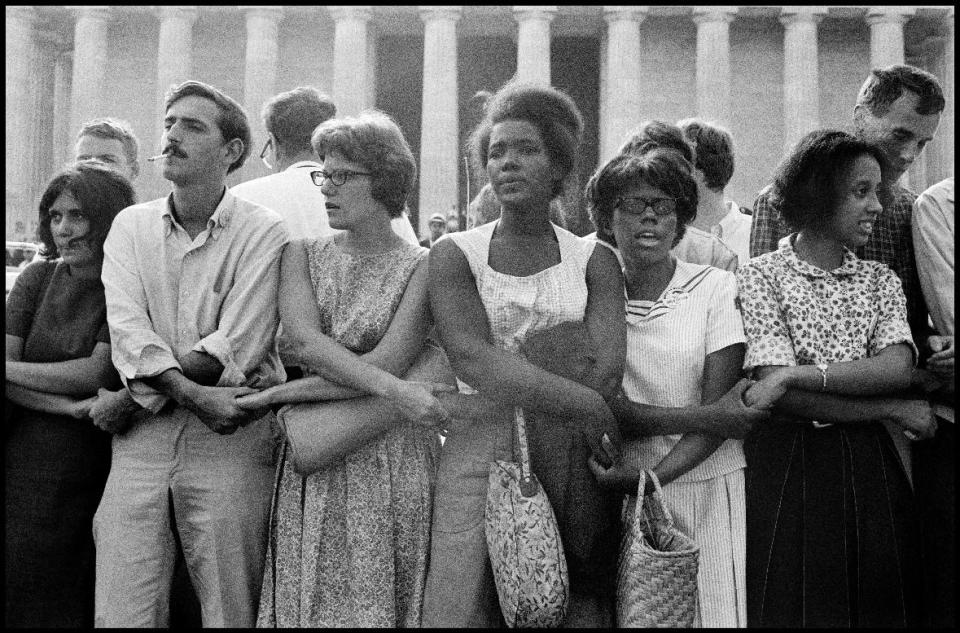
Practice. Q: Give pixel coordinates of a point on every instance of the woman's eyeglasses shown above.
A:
(337, 177)
(636, 205)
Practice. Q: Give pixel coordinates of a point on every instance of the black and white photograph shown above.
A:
(499, 316)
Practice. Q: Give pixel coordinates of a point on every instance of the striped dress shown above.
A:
(667, 344)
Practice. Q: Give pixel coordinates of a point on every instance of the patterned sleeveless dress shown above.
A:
(348, 545)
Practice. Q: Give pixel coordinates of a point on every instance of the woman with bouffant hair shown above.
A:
(57, 357)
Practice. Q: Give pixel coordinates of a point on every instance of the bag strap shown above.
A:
(661, 507)
(528, 485)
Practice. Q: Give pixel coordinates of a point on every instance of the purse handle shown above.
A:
(657, 494)
(528, 484)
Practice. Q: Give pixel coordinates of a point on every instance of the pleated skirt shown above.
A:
(832, 530)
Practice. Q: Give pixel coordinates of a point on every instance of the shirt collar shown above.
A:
(215, 223)
(850, 264)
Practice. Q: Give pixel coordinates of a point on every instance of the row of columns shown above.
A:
(81, 75)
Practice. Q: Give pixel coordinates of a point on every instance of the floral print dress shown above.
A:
(348, 545)
(831, 527)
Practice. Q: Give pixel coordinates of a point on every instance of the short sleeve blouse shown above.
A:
(667, 346)
(795, 313)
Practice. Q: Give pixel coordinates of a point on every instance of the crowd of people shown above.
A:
(785, 371)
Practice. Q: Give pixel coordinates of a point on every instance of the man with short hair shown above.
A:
(112, 142)
(898, 109)
(190, 283)
(290, 118)
(438, 227)
(716, 216)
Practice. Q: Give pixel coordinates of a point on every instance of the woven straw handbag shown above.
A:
(657, 567)
(523, 540)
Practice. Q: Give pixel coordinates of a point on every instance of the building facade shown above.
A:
(769, 74)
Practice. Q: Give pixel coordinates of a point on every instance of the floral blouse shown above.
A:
(797, 314)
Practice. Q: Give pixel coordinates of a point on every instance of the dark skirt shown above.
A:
(832, 530)
(56, 469)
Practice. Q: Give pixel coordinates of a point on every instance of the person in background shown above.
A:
(349, 544)
(491, 289)
(438, 227)
(112, 142)
(293, 191)
(57, 356)
(832, 529)
(713, 169)
(680, 410)
(934, 460)
(190, 283)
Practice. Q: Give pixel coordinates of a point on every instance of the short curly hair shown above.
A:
(374, 140)
(655, 133)
(713, 146)
(808, 183)
(101, 194)
(551, 111)
(661, 167)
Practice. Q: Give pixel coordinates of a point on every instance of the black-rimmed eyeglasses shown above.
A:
(338, 177)
(636, 205)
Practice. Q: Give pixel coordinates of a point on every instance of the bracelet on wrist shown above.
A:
(822, 367)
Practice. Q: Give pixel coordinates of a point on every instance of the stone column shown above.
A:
(89, 64)
(713, 62)
(620, 101)
(440, 127)
(64, 139)
(259, 79)
(801, 80)
(351, 67)
(20, 45)
(533, 43)
(174, 66)
(42, 111)
(886, 34)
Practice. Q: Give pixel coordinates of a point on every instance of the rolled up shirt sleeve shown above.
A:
(249, 314)
(137, 350)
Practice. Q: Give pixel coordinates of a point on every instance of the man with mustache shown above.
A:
(190, 283)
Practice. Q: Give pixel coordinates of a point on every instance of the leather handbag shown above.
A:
(526, 554)
(657, 566)
(321, 433)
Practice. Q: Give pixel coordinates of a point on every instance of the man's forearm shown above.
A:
(201, 368)
(174, 384)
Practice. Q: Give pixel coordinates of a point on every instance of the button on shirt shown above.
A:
(168, 295)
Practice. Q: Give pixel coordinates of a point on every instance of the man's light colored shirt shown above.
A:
(292, 194)
(933, 244)
(168, 295)
(726, 246)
